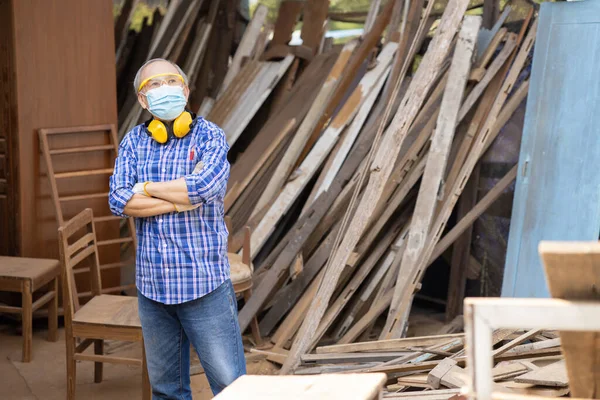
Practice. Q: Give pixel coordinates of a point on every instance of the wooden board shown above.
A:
(380, 170)
(573, 273)
(315, 158)
(439, 151)
(551, 375)
(323, 387)
(246, 44)
(250, 100)
(556, 194)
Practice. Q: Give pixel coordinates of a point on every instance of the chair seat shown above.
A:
(109, 310)
(38, 270)
(239, 271)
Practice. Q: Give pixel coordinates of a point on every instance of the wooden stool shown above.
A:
(26, 276)
(241, 271)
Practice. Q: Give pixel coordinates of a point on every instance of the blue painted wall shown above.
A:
(557, 195)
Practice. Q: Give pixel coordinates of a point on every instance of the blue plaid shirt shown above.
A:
(180, 256)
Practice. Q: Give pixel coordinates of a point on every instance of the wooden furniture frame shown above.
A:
(26, 276)
(59, 201)
(104, 317)
(244, 286)
(483, 315)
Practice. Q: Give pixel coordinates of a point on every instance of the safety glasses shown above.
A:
(156, 81)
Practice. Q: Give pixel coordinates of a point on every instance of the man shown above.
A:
(171, 175)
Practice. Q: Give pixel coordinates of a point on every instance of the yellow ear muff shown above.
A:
(181, 125)
(158, 130)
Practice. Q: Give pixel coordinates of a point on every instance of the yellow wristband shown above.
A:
(145, 191)
(174, 205)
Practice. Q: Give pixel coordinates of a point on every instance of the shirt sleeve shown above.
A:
(123, 179)
(210, 183)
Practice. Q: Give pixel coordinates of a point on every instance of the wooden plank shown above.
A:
(287, 297)
(295, 107)
(513, 343)
(572, 272)
(337, 159)
(461, 252)
(474, 213)
(367, 44)
(289, 10)
(380, 170)
(313, 161)
(233, 194)
(349, 357)
(313, 20)
(438, 153)
(246, 45)
(318, 387)
(411, 279)
(253, 98)
(388, 345)
(350, 289)
(554, 374)
(284, 168)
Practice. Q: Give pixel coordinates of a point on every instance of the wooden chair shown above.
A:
(241, 275)
(26, 276)
(104, 317)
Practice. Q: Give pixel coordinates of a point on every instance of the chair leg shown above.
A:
(53, 313)
(254, 324)
(98, 366)
(71, 366)
(26, 320)
(146, 388)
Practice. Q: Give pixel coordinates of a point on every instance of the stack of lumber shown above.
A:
(433, 367)
(347, 161)
(349, 184)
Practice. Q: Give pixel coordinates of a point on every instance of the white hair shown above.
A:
(138, 74)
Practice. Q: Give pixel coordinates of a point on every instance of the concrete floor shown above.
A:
(44, 378)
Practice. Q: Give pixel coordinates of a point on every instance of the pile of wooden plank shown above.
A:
(348, 161)
(434, 367)
(349, 183)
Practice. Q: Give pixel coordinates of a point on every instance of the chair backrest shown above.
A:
(77, 244)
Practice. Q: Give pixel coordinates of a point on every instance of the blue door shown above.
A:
(557, 195)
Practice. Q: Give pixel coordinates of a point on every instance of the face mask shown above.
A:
(166, 102)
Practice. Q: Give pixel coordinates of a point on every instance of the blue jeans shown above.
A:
(210, 323)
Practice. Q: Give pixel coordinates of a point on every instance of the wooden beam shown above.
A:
(438, 153)
(246, 44)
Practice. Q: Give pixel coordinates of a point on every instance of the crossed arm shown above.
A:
(205, 184)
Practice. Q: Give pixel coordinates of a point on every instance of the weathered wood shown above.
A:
(246, 44)
(284, 168)
(350, 69)
(412, 279)
(313, 20)
(380, 170)
(474, 213)
(438, 153)
(461, 252)
(572, 272)
(311, 164)
(388, 345)
(551, 375)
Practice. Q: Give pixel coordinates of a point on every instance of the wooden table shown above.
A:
(26, 276)
(307, 387)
